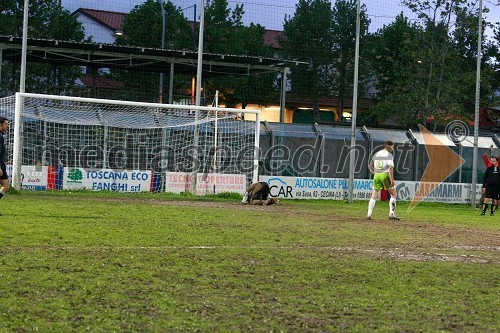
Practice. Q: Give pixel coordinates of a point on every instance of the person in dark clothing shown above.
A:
(491, 182)
(4, 178)
(487, 162)
(256, 191)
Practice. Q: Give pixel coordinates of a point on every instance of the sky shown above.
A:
(271, 13)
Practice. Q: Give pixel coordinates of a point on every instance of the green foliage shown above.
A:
(143, 27)
(324, 37)
(415, 83)
(225, 33)
(48, 20)
(343, 35)
(307, 38)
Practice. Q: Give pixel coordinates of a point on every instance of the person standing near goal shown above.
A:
(491, 184)
(4, 178)
(382, 165)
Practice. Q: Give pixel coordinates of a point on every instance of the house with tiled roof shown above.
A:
(102, 26)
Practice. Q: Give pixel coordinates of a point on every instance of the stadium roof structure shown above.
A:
(134, 58)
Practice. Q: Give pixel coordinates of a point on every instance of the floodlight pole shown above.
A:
(162, 45)
(17, 145)
(476, 108)
(199, 69)
(22, 81)
(352, 151)
(199, 66)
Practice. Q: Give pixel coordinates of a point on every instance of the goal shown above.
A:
(61, 142)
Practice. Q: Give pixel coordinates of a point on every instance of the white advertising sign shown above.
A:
(317, 188)
(337, 189)
(435, 192)
(178, 182)
(107, 180)
(33, 178)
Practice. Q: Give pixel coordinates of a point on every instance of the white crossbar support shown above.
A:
(119, 102)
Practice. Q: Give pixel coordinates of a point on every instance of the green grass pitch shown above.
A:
(104, 262)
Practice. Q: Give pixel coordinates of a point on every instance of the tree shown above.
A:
(495, 55)
(47, 19)
(143, 27)
(395, 64)
(343, 53)
(465, 42)
(225, 33)
(420, 83)
(307, 38)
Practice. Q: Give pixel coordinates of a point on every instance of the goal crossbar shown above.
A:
(20, 98)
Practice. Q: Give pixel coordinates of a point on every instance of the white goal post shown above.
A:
(63, 132)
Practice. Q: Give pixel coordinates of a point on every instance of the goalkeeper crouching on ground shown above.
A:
(258, 194)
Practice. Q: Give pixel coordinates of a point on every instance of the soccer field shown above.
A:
(107, 262)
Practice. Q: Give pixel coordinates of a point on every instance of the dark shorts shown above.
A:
(492, 193)
(4, 171)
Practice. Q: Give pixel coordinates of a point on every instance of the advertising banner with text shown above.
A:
(107, 180)
(178, 182)
(33, 178)
(337, 189)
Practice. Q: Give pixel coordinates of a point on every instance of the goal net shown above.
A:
(59, 142)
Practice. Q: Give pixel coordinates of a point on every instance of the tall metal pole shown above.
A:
(352, 157)
(17, 145)
(171, 84)
(22, 82)
(162, 45)
(199, 69)
(194, 27)
(476, 108)
(199, 66)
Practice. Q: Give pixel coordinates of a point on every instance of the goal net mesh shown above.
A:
(95, 135)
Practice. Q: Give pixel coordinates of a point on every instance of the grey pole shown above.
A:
(22, 82)
(199, 66)
(476, 109)
(17, 149)
(162, 46)
(171, 84)
(199, 69)
(352, 157)
(284, 74)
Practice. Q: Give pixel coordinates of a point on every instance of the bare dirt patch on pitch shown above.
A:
(455, 243)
